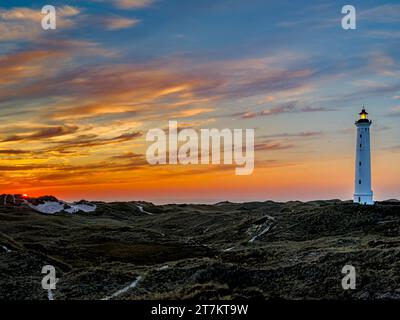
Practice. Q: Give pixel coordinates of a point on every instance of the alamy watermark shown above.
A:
(349, 21)
(349, 280)
(190, 147)
(49, 281)
(49, 21)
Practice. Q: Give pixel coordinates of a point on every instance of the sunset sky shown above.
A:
(76, 102)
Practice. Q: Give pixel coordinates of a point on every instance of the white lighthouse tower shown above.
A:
(363, 192)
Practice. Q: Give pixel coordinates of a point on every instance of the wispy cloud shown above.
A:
(133, 4)
(128, 156)
(86, 141)
(272, 145)
(394, 112)
(118, 23)
(23, 23)
(35, 15)
(383, 34)
(45, 133)
(291, 108)
(13, 152)
(304, 134)
(387, 13)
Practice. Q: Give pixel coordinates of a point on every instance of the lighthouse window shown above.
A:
(360, 135)
(360, 163)
(360, 145)
(359, 181)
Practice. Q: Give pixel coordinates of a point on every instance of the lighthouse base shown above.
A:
(365, 199)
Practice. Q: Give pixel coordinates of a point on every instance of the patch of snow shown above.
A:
(52, 207)
(81, 207)
(5, 249)
(163, 268)
(123, 290)
(143, 211)
(49, 207)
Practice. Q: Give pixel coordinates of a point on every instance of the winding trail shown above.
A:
(5, 249)
(229, 249)
(260, 234)
(125, 289)
(269, 224)
(50, 295)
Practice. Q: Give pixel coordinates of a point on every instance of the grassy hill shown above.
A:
(228, 250)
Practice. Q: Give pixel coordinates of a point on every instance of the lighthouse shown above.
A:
(363, 193)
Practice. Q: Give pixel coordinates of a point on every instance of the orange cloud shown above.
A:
(25, 23)
(133, 4)
(45, 133)
(118, 23)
